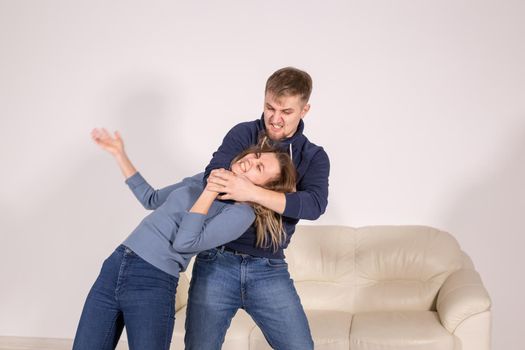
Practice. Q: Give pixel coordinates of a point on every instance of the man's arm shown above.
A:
(311, 199)
(309, 202)
(240, 137)
(240, 189)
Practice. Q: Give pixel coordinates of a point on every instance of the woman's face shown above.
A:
(259, 168)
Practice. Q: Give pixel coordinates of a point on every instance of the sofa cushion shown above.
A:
(321, 262)
(403, 267)
(399, 330)
(330, 331)
(376, 268)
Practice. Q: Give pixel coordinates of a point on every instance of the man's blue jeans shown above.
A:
(128, 292)
(222, 282)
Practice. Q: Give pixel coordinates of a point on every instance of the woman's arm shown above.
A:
(196, 234)
(149, 197)
(204, 202)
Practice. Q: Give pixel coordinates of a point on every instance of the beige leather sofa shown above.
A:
(375, 288)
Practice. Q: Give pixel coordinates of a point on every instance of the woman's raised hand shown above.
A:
(111, 143)
(114, 145)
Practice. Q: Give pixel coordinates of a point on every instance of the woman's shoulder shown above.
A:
(195, 180)
(188, 188)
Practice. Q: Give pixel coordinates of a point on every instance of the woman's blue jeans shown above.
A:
(132, 293)
(222, 282)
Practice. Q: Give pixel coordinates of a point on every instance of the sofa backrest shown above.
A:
(371, 268)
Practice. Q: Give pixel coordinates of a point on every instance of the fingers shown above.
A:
(215, 188)
(221, 171)
(99, 134)
(222, 174)
(104, 132)
(96, 136)
(117, 135)
(217, 178)
(218, 186)
(103, 135)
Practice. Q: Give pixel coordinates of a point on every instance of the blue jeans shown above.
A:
(222, 282)
(128, 292)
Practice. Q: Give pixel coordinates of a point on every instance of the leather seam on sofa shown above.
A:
(466, 319)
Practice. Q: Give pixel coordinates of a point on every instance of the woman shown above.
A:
(137, 283)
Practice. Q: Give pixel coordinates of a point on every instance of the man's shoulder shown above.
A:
(312, 149)
(245, 132)
(249, 126)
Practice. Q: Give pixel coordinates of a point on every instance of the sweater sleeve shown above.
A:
(236, 140)
(149, 197)
(196, 233)
(311, 198)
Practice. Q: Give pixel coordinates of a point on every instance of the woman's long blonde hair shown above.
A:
(268, 224)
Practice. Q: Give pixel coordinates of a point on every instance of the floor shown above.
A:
(20, 343)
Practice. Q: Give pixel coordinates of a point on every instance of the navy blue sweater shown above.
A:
(313, 169)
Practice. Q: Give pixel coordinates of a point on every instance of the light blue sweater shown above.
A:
(169, 236)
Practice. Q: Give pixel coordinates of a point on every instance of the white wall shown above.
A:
(420, 105)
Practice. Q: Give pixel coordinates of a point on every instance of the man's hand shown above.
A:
(234, 187)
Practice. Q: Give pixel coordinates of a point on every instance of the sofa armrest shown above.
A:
(461, 296)
(181, 297)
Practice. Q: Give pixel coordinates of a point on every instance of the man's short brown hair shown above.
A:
(290, 81)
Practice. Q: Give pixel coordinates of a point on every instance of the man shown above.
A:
(245, 275)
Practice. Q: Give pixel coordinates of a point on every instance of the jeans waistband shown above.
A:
(123, 249)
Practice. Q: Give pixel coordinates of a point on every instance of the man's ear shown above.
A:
(305, 110)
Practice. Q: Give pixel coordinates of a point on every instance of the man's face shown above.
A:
(282, 115)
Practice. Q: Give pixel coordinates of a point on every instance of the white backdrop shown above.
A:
(420, 105)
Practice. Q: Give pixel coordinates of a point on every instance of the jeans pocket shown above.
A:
(275, 263)
(207, 255)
